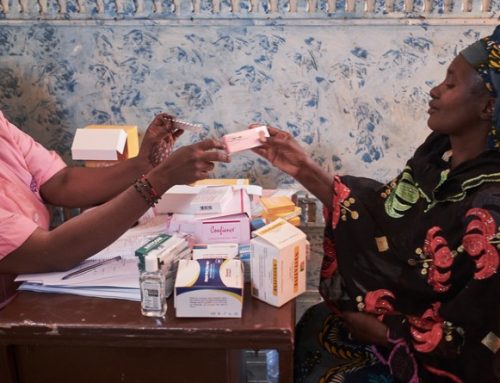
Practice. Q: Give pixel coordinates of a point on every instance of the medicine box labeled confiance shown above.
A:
(209, 288)
(225, 229)
(278, 262)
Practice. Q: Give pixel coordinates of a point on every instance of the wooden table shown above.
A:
(71, 339)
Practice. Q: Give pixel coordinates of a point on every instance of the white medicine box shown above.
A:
(278, 262)
(98, 144)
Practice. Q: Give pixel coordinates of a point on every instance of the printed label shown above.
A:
(275, 277)
(296, 251)
(151, 299)
(223, 230)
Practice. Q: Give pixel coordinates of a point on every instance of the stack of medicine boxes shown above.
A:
(216, 218)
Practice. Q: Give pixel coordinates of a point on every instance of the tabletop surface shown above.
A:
(70, 316)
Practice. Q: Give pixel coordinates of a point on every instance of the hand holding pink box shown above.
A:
(245, 139)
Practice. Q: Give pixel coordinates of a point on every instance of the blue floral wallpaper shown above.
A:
(351, 86)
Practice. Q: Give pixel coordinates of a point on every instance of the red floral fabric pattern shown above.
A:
(377, 302)
(440, 260)
(478, 242)
(340, 193)
(427, 330)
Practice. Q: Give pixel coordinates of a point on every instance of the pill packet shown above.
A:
(163, 148)
(184, 125)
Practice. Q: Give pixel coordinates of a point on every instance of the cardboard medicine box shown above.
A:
(278, 204)
(179, 199)
(98, 144)
(226, 229)
(278, 261)
(212, 199)
(215, 250)
(209, 288)
(132, 131)
(244, 139)
(105, 145)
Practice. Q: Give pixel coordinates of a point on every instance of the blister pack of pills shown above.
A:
(184, 125)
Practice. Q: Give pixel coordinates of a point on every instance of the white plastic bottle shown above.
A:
(152, 283)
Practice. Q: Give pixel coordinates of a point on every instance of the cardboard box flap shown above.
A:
(280, 233)
(132, 137)
(98, 144)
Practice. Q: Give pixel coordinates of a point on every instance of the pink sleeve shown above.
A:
(15, 229)
(42, 163)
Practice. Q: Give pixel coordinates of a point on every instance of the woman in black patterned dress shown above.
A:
(410, 273)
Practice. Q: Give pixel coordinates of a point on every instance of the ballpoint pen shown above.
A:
(91, 267)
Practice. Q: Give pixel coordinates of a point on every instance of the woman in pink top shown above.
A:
(31, 176)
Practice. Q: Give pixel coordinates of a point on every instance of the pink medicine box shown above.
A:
(227, 229)
(231, 228)
(245, 139)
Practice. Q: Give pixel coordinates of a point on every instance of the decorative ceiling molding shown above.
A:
(274, 12)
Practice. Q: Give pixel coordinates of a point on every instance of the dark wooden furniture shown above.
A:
(71, 339)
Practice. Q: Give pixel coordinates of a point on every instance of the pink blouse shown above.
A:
(24, 166)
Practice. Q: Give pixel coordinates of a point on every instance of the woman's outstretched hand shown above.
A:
(159, 139)
(282, 151)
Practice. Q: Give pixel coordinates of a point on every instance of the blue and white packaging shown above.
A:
(209, 288)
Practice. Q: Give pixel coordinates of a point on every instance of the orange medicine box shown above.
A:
(292, 217)
(277, 204)
(278, 262)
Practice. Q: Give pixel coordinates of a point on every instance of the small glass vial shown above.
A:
(152, 282)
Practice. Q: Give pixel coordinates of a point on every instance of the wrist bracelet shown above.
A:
(146, 190)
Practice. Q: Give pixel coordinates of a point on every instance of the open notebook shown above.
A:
(111, 273)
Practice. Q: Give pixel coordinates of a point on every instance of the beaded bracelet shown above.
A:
(146, 190)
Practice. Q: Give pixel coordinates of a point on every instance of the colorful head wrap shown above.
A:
(484, 56)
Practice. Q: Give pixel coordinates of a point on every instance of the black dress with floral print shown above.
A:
(422, 254)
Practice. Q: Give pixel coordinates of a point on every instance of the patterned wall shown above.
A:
(350, 79)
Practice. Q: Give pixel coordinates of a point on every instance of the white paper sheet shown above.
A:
(112, 279)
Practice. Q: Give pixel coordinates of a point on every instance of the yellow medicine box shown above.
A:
(277, 204)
